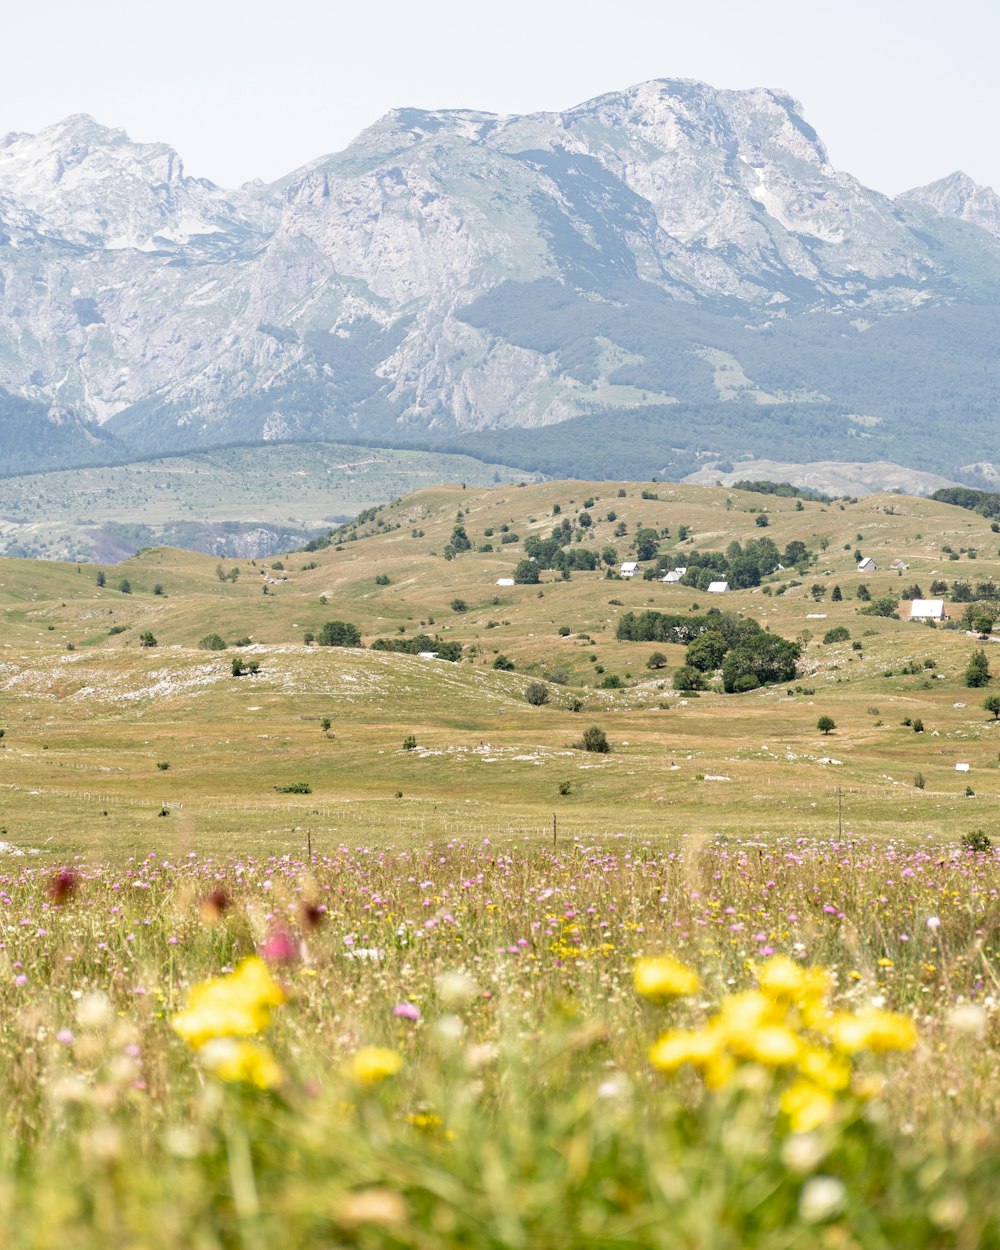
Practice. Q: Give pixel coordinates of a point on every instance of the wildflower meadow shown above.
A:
(688, 1042)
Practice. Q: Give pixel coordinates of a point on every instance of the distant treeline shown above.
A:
(783, 489)
(981, 501)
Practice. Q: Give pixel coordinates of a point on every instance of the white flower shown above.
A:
(802, 1152)
(933, 923)
(821, 1197)
(968, 1018)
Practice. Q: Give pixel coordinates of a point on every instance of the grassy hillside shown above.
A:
(89, 713)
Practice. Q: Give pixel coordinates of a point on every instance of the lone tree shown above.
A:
(826, 723)
(657, 660)
(992, 704)
(536, 693)
(978, 671)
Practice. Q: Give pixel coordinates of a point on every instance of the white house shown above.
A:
(630, 568)
(676, 574)
(867, 565)
(717, 588)
(505, 581)
(899, 565)
(927, 610)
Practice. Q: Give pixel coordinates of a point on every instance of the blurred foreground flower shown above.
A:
(783, 1028)
(373, 1064)
(62, 886)
(224, 1009)
(662, 976)
(235, 1059)
(279, 947)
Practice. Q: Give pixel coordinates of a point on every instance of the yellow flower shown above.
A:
(740, 1014)
(372, 1064)
(232, 1059)
(237, 1005)
(772, 1045)
(828, 1071)
(806, 1106)
(781, 977)
(678, 1047)
(874, 1030)
(662, 976)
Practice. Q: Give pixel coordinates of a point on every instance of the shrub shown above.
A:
(840, 633)
(116, 629)
(977, 841)
(919, 780)
(295, 787)
(503, 665)
(564, 631)
(125, 586)
(565, 787)
(245, 641)
(918, 725)
(596, 740)
(146, 639)
(212, 642)
(409, 743)
(459, 605)
(536, 693)
(244, 668)
(611, 681)
(526, 573)
(383, 579)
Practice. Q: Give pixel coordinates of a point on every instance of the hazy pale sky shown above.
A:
(901, 91)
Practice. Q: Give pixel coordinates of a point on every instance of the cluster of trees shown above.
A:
(420, 642)
(344, 634)
(741, 564)
(747, 655)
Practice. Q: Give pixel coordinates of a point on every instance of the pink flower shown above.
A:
(406, 1011)
(64, 1037)
(279, 948)
(21, 980)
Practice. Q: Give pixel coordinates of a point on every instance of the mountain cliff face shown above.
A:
(452, 273)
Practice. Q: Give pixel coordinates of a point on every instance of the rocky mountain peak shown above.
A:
(960, 197)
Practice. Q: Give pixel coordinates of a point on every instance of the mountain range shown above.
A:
(662, 280)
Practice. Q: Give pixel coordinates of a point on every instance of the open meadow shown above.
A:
(363, 948)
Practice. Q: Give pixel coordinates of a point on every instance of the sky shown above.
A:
(901, 91)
